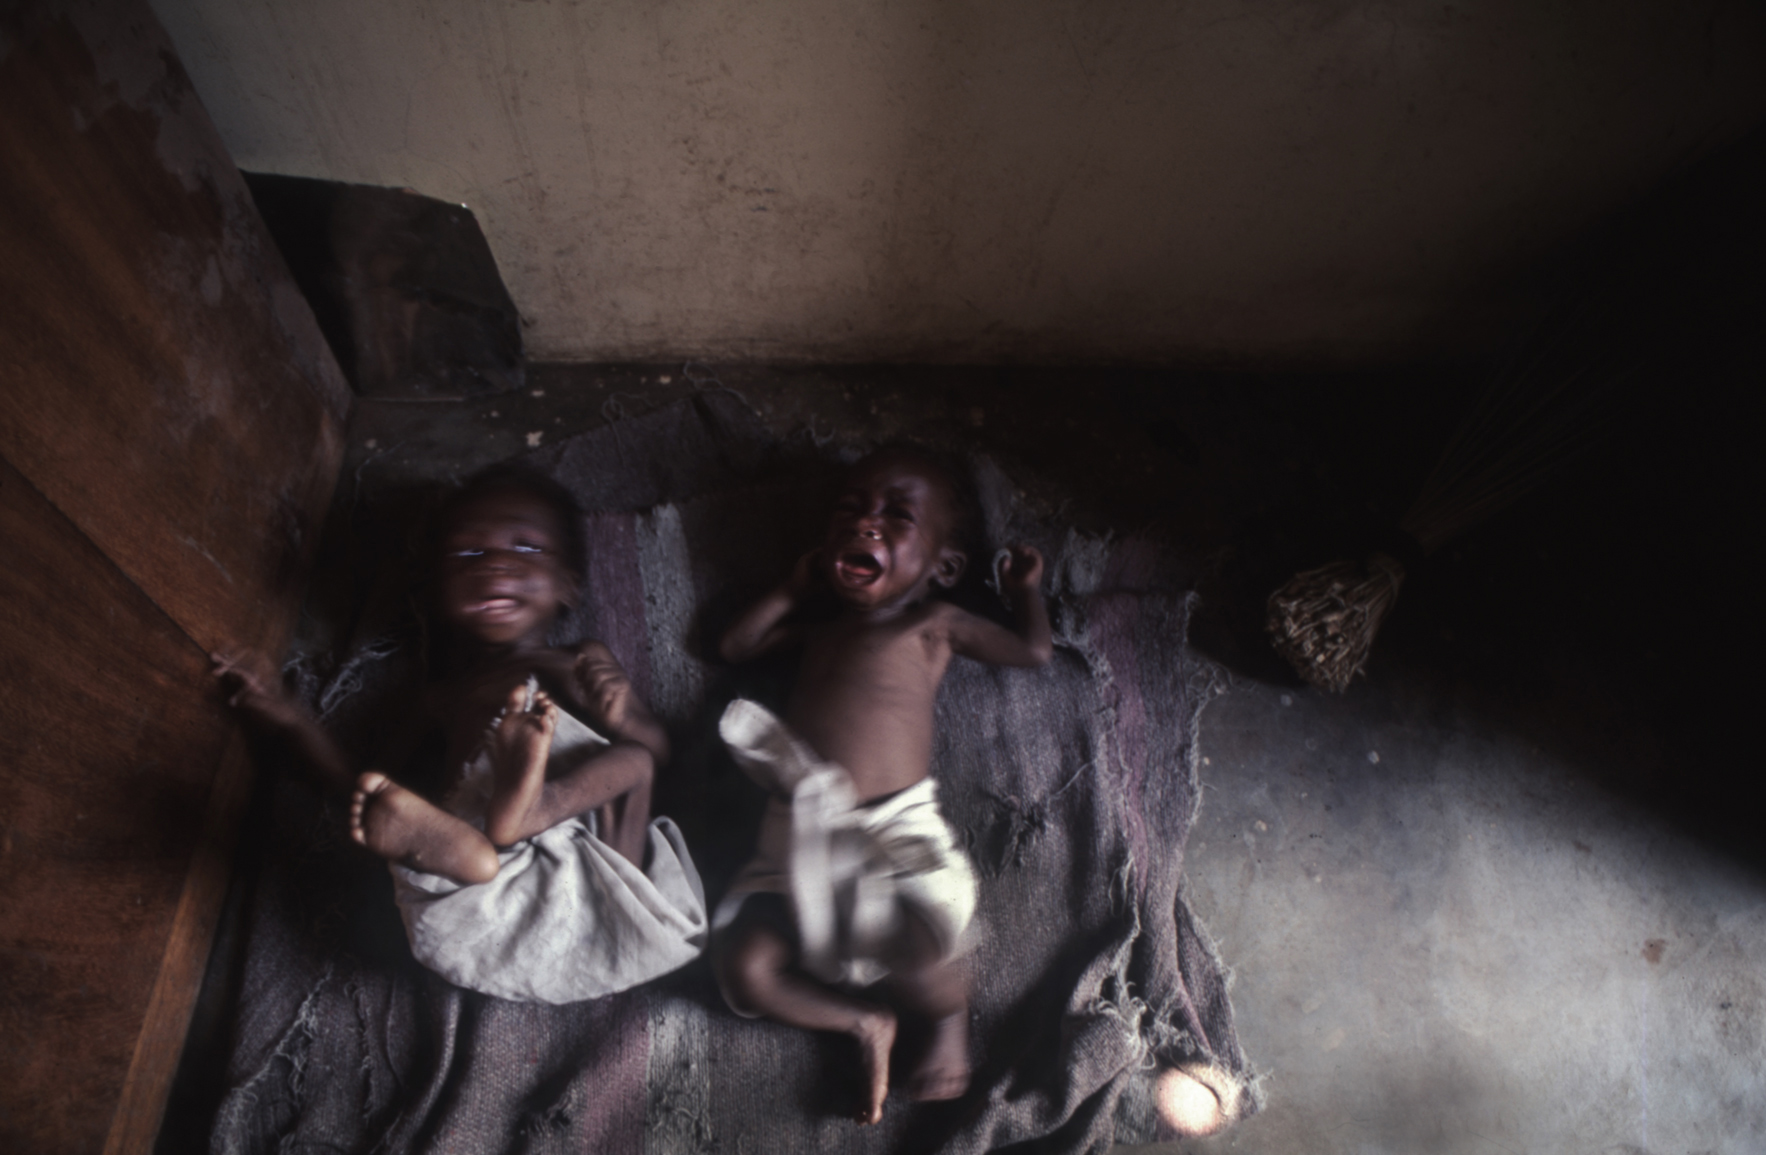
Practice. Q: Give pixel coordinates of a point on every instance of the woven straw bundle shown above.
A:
(1542, 408)
(1323, 621)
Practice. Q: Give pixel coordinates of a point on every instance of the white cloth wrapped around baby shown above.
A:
(847, 866)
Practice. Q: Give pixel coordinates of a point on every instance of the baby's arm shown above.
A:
(764, 626)
(1031, 643)
(615, 707)
(258, 694)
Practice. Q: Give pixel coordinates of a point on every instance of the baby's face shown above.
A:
(503, 576)
(887, 538)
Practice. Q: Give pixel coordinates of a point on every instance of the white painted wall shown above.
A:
(952, 180)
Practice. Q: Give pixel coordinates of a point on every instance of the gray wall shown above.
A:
(944, 180)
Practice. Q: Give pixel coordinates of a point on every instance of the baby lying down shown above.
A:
(859, 880)
(859, 898)
(537, 873)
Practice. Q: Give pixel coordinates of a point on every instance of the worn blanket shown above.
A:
(1072, 787)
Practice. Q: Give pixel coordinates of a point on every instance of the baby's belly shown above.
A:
(883, 749)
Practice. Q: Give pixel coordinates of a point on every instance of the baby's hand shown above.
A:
(255, 689)
(1023, 570)
(605, 687)
(804, 573)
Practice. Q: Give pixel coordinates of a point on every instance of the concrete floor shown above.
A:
(1504, 895)
(1507, 894)
(1464, 946)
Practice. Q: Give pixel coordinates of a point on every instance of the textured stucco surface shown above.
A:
(943, 181)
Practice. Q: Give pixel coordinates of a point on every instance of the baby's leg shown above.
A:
(926, 983)
(616, 781)
(395, 823)
(519, 744)
(755, 965)
(625, 822)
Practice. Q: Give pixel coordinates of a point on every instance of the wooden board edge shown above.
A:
(158, 1048)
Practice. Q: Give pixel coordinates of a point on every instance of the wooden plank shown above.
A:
(161, 380)
(109, 738)
(171, 426)
(160, 1044)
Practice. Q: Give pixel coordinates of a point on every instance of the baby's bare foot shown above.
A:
(875, 1033)
(520, 742)
(397, 824)
(944, 1072)
(606, 686)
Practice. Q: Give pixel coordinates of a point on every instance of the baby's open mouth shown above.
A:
(857, 568)
(492, 607)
